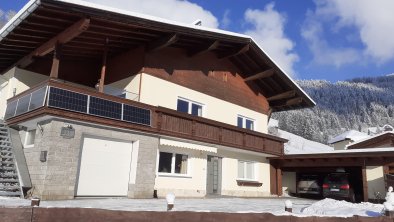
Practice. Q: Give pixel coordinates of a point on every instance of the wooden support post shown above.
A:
(365, 183)
(279, 181)
(55, 62)
(103, 67)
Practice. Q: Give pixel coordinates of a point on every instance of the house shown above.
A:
(340, 141)
(105, 102)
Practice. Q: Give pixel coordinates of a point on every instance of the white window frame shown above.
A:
(173, 174)
(255, 166)
(244, 118)
(25, 145)
(190, 102)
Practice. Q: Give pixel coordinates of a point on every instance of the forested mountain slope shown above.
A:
(354, 104)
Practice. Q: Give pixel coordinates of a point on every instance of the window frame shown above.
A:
(27, 135)
(244, 118)
(190, 104)
(255, 170)
(173, 174)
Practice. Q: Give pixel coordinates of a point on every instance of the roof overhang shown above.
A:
(84, 27)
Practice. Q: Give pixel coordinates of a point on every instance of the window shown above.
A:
(173, 163)
(190, 107)
(29, 138)
(246, 170)
(244, 122)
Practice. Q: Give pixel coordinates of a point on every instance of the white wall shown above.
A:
(375, 180)
(289, 182)
(193, 185)
(158, 92)
(129, 84)
(18, 79)
(230, 174)
(341, 145)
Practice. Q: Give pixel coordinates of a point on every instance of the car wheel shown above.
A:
(352, 197)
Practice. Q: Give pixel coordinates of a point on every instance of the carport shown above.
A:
(367, 167)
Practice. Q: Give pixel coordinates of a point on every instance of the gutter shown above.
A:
(30, 7)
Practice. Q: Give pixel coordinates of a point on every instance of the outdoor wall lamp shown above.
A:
(170, 197)
(43, 156)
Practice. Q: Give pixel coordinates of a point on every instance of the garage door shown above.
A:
(105, 167)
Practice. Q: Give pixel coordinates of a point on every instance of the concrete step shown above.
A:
(7, 168)
(10, 194)
(9, 188)
(4, 180)
(7, 163)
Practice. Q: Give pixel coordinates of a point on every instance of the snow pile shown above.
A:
(299, 145)
(330, 207)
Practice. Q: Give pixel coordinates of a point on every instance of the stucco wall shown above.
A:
(192, 185)
(56, 178)
(375, 180)
(289, 182)
(20, 80)
(158, 92)
(230, 174)
(341, 145)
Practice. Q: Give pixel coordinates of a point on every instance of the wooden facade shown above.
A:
(384, 140)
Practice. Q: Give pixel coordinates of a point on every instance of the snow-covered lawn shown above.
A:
(301, 207)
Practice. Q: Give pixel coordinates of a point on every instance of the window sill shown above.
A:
(174, 175)
(28, 146)
(249, 183)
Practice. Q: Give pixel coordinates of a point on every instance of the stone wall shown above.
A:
(57, 177)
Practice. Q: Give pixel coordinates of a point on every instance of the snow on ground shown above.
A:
(301, 207)
(330, 207)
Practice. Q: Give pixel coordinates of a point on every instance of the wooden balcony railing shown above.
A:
(69, 101)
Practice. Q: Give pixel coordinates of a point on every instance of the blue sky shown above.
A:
(309, 39)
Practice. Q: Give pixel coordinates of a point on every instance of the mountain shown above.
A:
(353, 104)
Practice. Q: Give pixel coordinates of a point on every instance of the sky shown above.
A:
(309, 39)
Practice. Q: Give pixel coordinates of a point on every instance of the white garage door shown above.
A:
(105, 168)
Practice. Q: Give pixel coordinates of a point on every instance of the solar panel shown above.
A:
(68, 100)
(105, 108)
(10, 111)
(23, 104)
(136, 115)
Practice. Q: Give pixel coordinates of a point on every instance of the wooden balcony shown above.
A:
(55, 98)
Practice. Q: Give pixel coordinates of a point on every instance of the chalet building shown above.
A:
(340, 141)
(104, 102)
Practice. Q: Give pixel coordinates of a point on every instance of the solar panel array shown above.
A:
(73, 101)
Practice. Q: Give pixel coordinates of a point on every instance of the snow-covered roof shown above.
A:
(370, 137)
(353, 135)
(367, 150)
(32, 5)
(299, 145)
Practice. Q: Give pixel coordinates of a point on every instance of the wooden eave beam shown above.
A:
(261, 75)
(290, 102)
(62, 38)
(285, 95)
(162, 42)
(242, 50)
(210, 47)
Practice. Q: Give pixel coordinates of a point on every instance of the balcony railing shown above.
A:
(65, 100)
